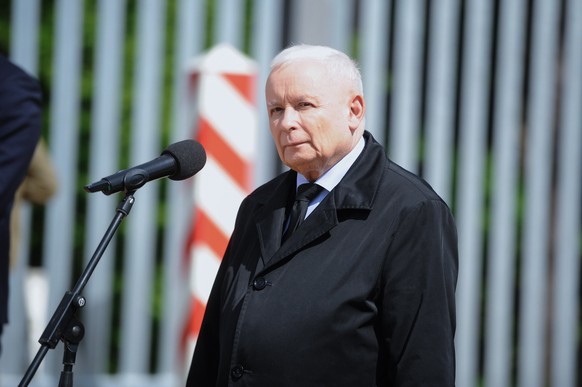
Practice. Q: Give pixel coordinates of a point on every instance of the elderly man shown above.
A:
(346, 282)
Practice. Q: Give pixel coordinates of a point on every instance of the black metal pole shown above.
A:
(72, 300)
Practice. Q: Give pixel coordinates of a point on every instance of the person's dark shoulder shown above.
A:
(410, 188)
(9, 70)
(15, 79)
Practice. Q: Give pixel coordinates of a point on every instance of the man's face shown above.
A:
(311, 117)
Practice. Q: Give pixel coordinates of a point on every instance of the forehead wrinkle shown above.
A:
(292, 98)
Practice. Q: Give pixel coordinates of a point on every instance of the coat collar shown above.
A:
(356, 192)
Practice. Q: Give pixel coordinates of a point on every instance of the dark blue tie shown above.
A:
(305, 194)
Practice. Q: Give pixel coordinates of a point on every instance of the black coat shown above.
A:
(362, 294)
(20, 124)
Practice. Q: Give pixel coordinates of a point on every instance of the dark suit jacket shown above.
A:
(20, 124)
(362, 294)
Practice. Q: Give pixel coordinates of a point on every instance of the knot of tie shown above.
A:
(305, 194)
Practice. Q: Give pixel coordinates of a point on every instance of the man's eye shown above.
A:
(305, 104)
(276, 110)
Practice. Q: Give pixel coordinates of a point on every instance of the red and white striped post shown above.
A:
(222, 90)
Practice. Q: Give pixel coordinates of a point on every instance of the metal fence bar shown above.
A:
(104, 160)
(507, 125)
(540, 124)
(373, 57)
(64, 122)
(472, 144)
(566, 281)
(145, 144)
(306, 25)
(266, 42)
(441, 96)
(229, 22)
(24, 34)
(189, 42)
(341, 25)
(15, 335)
(406, 95)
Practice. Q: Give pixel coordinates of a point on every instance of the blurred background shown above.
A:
(482, 98)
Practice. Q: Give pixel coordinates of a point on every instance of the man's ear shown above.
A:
(357, 110)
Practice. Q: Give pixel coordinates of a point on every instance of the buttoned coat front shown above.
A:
(362, 294)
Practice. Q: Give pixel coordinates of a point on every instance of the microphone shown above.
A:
(178, 161)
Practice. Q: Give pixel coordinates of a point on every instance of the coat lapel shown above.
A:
(356, 192)
(270, 229)
(270, 219)
(317, 224)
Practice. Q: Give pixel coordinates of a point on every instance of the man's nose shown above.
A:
(290, 119)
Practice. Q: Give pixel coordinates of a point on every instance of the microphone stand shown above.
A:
(64, 325)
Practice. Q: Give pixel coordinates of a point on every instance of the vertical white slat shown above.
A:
(139, 254)
(373, 56)
(441, 96)
(64, 129)
(341, 25)
(506, 147)
(188, 42)
(24, 34)
(266, 42)
(306, 22)
(472, 144)
(23, 52)
(229, 22)
(565, 316)
(307, 28)
(406, 96)
(104, 160)
(16, 334)
(540, 129)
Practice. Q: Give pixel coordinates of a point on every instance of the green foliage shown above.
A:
(6, 7)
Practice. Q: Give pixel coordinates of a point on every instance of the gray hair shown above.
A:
(337, 62)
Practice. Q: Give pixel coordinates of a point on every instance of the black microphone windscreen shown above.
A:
(190, 157)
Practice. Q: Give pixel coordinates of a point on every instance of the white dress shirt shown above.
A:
(332, 177)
